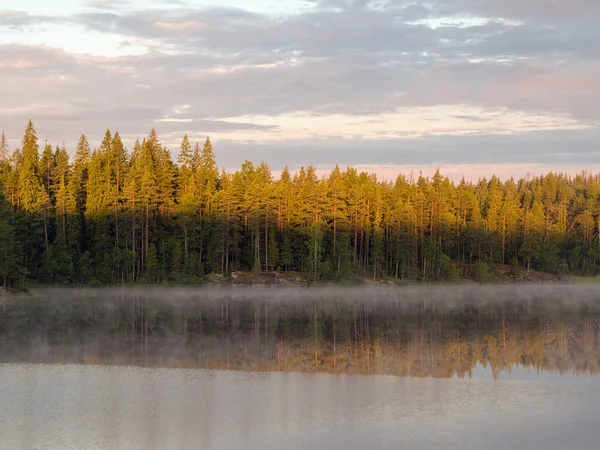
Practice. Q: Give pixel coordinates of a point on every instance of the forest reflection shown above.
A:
(379, 334)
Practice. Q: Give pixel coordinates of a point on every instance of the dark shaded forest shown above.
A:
(109, 215)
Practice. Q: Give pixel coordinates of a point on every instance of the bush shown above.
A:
(515, 268)
(483, 273)
(448, 270)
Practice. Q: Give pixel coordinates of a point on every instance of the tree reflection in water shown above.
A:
(387, 332)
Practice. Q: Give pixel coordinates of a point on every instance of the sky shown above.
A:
(474, 87)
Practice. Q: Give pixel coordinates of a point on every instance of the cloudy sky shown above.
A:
(472, 86)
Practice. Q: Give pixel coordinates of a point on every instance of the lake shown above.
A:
(511, 367)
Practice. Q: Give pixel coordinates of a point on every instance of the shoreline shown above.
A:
(242, 279)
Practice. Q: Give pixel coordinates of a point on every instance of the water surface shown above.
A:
(199, 370)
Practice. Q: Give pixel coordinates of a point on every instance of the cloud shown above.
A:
(469, 171)
(107, 4)
(576, 149)
(532, 10)
(444, 80)
(12, 21)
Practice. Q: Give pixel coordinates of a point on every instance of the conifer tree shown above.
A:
(33, 202)
(12, 273)
(132, 201)
(3, 148)
(30, 180)
(5, 168)
(111, 218)
(284, 222)
(76, 188)
(47, 168)
(187, 199)
(118, 166)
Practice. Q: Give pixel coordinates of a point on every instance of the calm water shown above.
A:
(268, 370)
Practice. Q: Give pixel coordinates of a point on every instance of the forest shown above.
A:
(112, 216)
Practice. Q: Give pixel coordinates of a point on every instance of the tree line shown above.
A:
(110, 215)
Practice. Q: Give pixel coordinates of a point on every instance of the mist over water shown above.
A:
(468, 366)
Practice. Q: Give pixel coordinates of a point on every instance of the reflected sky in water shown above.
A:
(95, 407)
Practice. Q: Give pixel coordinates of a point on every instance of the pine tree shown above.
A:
(33, 202)
(206, 177)
(30, 180)
(10, 179)
(5, 167)
(130, 191)
(77, 195)
(118, 167)
(187, 199)
(4, 151)
(47, 168)
(185, 161)
(314, 245)
(78, 181)
(149, 188)
(110, 218)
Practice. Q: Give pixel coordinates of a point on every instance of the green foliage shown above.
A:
(110, 216)
(448, 270)
(515, 268)
(30, 185)
(315, 252)
(12, 272)
(483, 272)
(152, 266)
(86, 272)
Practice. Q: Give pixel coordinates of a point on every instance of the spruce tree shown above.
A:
(47, 164)
(33, 203)
(78, 181)
(30, 180)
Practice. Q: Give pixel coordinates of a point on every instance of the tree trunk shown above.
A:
(334, 228)
(133, 257)
(147, 241)
(64, 226)
(355, 233)
(504, 240)
(227, 238)
(315, 257)
(201, 236)
(46, 231)
(185, 242)
(116, 225)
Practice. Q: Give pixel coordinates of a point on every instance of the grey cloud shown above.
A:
(555, 148)
(471, 118)
(351, 83)
(534, 41)
(532, 10)
(107, 4)
(19, 20)
(556, 11)
(231, 30)
(326, 33)
(342, 57)
(343, 4)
